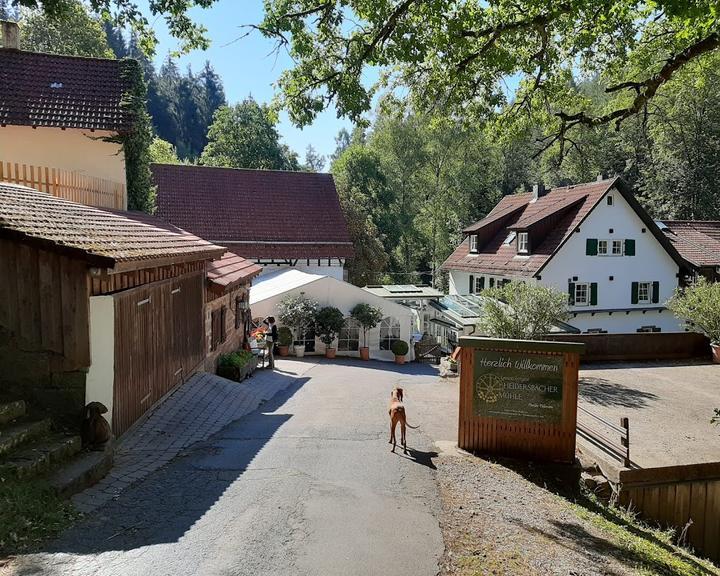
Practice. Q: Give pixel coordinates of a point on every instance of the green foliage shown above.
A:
(74, 32)
(328, 323)
(296, 312)
(521, 310)
(285, 336)
(399, 347)
(244, 136)
(162, 152)
(237, 359)
(314, 162)
(699, 305)
(367, 316)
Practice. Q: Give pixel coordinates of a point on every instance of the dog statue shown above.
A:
(95, 430)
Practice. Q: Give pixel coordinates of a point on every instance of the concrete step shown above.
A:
(20, 433)
(41, 455)
(82, 471)
(10, 411)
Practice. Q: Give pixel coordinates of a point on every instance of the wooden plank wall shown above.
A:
(44, 300)
(158, 342)
(676, 495)
(533, 440)
(109, 283)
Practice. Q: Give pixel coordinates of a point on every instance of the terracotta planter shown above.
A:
(715, 353)
(330, 352)
(283, 350)
(400, 359)
(365, 353)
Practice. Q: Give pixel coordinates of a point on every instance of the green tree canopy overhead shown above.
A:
(162, 152)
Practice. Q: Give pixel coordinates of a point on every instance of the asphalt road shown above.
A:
(306, 485)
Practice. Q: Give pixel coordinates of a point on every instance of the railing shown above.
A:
(605, 440)
(66, 184)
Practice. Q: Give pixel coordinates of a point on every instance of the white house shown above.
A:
(398, 320)
(592, 240)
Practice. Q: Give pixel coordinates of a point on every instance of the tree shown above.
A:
(314, 162)
(297, 312)
(367, 316)
(244, 136)
(456, 56)
(162, 152)
(73, 32)
(521, 310)
(699, 306)
(328, 323)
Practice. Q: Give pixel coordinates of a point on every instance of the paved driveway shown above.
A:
(306, 485)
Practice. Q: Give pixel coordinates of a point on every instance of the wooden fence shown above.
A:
(67, 184)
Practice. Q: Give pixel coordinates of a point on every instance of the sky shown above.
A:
(247, 66)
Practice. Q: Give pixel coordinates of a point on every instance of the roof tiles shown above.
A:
(698, 242)
(231, 270)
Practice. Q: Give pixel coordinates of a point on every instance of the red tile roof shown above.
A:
(106, 238)
(62, 91)
(256, 213)
(497, 257)
(231, 270)
(698, 242)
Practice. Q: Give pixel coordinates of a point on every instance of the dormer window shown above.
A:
(473, 243)
(523, 243)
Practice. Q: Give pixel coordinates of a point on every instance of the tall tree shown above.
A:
(314, 162)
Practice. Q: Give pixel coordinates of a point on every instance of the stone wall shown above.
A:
(234, 338)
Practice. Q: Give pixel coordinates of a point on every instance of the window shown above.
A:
(582, 294)
(523, 243)
(609, 200)
(644, 292)
(648, 329)
(492, 282)
(349, 336)
(617, 247)
(473, 243)
(307, 338)
(389, 331)
(602, 247)
(479, 283)
(217, 327)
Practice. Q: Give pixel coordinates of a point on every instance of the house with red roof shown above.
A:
(593, 241)
(698, 242)
(278, 219)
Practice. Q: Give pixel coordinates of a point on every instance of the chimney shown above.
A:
(601, 176)
(10, 35)
(538, 190)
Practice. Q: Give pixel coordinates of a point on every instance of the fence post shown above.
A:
(625, 441)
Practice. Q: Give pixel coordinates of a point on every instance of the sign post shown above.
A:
(519, 398)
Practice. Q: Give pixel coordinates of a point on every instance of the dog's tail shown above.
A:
(413, 427)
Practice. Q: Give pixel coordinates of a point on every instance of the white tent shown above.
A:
(269, 290)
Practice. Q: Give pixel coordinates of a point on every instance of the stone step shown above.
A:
(41, 455)
(82, 471)
(10, 411)
(20, 433)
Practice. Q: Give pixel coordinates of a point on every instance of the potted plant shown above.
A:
(699, 305)
(400, 349)
(368, 317)
(285, 338)
(328, 322)
(236, 365)
(297, 312)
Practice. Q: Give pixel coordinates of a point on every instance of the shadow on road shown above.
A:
(420, 457)
(602, 392)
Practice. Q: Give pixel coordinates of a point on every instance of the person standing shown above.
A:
(271, 337)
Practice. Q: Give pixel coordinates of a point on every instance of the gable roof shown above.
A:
(39, 89)
(256, 213)
(698, 242)
(104, 238)
(231, 270)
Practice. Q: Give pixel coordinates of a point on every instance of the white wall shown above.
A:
(101, 375)
(77, 150)
(622, 323)
(332, 271)
(650, 263)
(459, 282)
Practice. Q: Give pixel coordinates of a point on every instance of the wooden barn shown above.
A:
(97, 304)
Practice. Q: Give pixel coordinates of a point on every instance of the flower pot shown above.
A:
(365, 353)
(715, 353)
(300, 350)
(283, 350)
(329, 352)
(400, 359)
(229, 372)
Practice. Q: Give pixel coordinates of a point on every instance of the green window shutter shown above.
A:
(629, 247)
(482, 282)
(593, 294)
(571, 293)
(634, 293)
(591, 247)
(472, 284)
(656, 292)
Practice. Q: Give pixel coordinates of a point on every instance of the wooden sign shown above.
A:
(519, 398)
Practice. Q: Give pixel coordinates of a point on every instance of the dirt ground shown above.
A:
(669, 407)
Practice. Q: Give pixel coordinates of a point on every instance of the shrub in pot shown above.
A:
(297, 312)
(400, 349)
(328, 323)
(699, 305)
(235, 365)
(368, 317)
(285, 338)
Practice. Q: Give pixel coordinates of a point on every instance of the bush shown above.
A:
(285, 336)
(328, 322)
(399, 347)
(236, 359)
(699, 306)
(367, 316)
(296, 312)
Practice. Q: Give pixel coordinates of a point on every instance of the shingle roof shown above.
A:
(106, 238)
(231, 270)
(698, 242)
(256, 213)
(62, 91)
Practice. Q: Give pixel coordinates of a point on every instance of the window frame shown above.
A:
(649, 286)
(479, 284)
(600, 244)
(473, 243)
(350, 325)
(389, 323)
(586, 286)
(622, 248)
(523, 243)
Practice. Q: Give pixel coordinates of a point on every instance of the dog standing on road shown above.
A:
(397, 414)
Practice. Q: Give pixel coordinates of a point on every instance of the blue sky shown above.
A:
(247, 66)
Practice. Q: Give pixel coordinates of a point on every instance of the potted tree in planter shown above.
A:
(328, 322)
(296, 312)
(285, 338)
(699, 306)
(368, 317)
(400, 349)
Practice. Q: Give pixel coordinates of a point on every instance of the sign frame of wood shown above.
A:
(519, 398)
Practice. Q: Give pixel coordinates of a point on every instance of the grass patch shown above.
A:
(30, 512)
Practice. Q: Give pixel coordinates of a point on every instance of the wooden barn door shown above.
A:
(158, 343)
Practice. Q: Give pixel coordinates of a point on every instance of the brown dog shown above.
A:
(397, 414)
